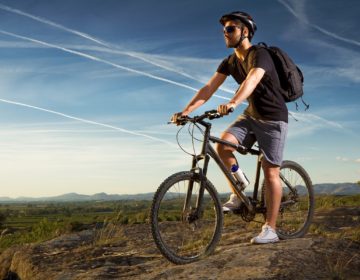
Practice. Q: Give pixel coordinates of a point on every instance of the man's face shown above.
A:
(232, 33)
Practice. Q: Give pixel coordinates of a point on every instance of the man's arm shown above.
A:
(205, 93)
(246, 89)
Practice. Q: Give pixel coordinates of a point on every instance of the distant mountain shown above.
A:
(337, 189)
(333, 189)
(72, 197)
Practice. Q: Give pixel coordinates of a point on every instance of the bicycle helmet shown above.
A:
(244, 18)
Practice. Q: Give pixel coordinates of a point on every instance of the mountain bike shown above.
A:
(186, 213)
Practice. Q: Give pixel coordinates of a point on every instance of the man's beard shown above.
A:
(231, 43)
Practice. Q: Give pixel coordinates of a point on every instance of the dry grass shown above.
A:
(111, 231)
(338, 265)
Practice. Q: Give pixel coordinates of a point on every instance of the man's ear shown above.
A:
(246, 31)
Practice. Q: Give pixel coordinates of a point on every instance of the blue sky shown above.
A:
(86, 89)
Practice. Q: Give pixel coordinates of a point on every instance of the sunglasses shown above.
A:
(230, 28)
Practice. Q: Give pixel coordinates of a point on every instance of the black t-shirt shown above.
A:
(265, 102)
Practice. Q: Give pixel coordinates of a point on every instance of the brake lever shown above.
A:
(217, 115)
(180, 121)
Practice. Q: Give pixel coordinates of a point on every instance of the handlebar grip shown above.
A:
(211, 112)
(231, 110)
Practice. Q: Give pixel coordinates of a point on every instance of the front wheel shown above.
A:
(185, 227)
(297, 202)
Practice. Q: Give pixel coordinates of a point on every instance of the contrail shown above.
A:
(87, 121)
(322, 30)
(108, 62)
(103, 61)
(132, 54)
(311, 118)
(91, 57)
(53, 24)
(98, 41)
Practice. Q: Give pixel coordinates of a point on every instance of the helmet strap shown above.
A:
(242, 37)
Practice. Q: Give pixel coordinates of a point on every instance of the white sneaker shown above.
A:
(232, 204)
(267, 235)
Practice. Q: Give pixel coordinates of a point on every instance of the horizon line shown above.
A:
(134, 194)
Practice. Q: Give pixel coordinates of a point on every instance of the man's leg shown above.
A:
(226, 152)
(271, 137)
(227, 156)
(273, 192)
(238, 132)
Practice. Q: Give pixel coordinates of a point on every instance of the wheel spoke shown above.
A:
(180, 235)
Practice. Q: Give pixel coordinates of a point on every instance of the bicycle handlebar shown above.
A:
(212, 114)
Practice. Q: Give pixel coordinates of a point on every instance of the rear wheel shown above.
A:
(297, 202)
(183, 234)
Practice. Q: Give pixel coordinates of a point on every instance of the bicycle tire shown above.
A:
(288, 227)
(162, 224)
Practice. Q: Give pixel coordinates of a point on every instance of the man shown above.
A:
(264, 120)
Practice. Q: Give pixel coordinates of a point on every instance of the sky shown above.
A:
(87, 88)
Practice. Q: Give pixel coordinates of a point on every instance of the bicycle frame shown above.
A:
(202, 217)
(208, 151)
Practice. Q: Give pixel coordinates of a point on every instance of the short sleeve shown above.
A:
(224, 67)
(261, 59)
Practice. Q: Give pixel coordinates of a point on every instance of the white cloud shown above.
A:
(84, 162)
(345, 159)
(346, 65)
(309, 123)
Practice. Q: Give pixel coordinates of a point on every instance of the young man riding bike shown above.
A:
(265, 119)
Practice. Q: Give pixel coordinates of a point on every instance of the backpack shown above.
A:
(290, 75)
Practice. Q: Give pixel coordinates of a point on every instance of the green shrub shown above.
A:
(42, 231)
(2, 219)
(331, 201)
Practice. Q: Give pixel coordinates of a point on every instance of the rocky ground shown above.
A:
(133, 255)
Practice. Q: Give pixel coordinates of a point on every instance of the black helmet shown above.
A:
(244, 18)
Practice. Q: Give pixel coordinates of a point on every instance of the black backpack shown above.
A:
(290, 75)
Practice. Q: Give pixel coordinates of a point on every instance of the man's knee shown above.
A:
(221, 149)
(271, 171)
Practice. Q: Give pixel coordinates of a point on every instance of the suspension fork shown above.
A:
(202, 173)
(196, 159)
(199, 201)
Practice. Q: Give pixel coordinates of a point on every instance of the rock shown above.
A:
(5, 261)
(7, 231)
(130, 253)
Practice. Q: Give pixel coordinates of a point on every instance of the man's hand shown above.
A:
(225, 108)
(176, 118)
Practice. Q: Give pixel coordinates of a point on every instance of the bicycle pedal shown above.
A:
(236, 211)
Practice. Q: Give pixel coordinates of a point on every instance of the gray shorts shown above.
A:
(270, 135)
